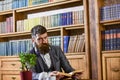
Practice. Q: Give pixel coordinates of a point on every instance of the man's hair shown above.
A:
(38, 29)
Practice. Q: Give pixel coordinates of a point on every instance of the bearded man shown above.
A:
(50, 59)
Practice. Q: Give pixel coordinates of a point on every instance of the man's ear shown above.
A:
(33, 40)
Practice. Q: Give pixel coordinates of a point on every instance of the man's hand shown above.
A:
(77, 76)
(56, 73)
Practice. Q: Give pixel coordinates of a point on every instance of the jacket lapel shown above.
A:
(39, 59)
(53, 58)
(40, 62)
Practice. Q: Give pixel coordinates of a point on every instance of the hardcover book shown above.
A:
(71, 74)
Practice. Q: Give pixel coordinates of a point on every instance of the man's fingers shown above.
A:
(54, 73)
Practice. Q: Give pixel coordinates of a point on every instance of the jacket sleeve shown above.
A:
(42, 76)
(64, 63)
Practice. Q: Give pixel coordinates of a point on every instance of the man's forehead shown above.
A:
(41, 35)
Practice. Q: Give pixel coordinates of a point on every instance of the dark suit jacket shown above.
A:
(58, 59)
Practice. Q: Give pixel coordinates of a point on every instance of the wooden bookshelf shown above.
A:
(82, 58)
(104, 60)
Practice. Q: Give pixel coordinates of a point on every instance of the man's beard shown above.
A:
(44, 48)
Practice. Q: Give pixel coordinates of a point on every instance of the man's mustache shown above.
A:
(44, 48)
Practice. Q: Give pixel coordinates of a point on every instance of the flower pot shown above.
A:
(26, 75)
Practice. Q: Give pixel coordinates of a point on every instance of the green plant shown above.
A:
(27, 60)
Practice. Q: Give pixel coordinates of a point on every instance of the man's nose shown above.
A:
(44, 40)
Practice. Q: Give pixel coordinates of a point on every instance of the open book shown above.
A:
(71, 74)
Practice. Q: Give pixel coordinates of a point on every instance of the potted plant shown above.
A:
(28, 61)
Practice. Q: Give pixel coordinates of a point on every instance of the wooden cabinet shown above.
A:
(9, 68)
(104, 45)
(111, 66)
(78, 62)
(18, 33)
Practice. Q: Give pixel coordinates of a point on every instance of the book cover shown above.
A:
(71, 74)
(66, 42)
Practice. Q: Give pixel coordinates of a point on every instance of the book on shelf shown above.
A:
(72, 73)
(111, 39)
(66, 42)
(110, 12)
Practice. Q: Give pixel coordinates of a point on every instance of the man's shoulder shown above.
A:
(54, 47)
(32, 51)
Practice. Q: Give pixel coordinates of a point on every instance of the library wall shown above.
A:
(65, 20)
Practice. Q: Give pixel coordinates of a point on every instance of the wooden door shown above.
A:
(111, 66)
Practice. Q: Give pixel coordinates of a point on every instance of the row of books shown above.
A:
(111, 39)
(69, 18)
(55, 40)
(110, 2)
(14, 47)
(7, 25)
(110, 12)
(74, 43)
(12, 4)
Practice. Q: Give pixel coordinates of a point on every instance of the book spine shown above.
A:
(66, 42)
(107, 40)
(114, 39)
(118, 39)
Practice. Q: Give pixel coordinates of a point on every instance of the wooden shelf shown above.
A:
(111, 51)
(6, 12)
(75, 53)
(45, 5)
(76, 26)
(110, 22)
(5, 35)
(67, 27)
(53, 29)
(9, 57)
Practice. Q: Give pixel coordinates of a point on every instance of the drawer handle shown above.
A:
(13, 64)
(115, 70)
(13, 78)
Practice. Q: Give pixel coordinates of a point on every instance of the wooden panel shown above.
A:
(87, 38)
(111, 66)
(10, 64)
(78, 62)
(10, 77)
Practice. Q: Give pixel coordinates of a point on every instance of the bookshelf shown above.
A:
(107, 52)
(21, 14)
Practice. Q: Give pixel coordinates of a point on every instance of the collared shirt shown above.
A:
(46, 59)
